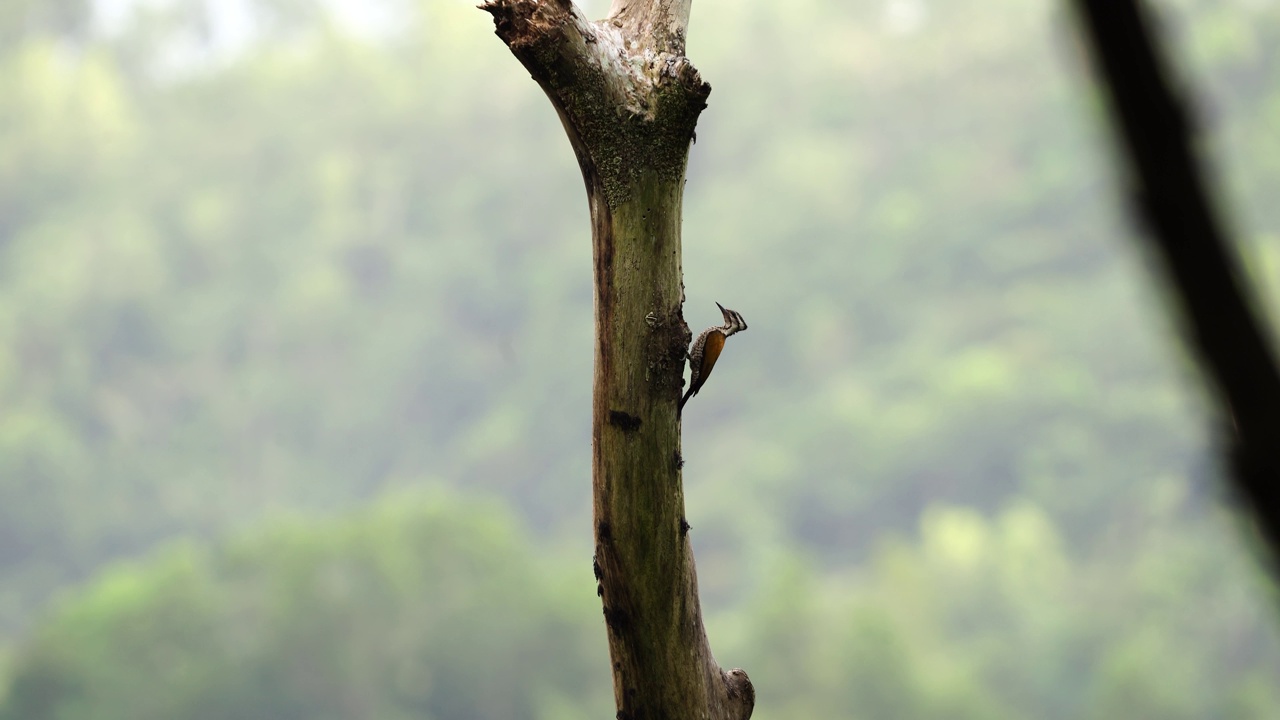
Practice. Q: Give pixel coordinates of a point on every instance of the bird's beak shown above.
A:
(727, 314)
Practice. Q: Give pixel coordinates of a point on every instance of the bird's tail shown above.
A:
(687, 394)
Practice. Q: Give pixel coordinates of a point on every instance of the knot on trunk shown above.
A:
(741, 693)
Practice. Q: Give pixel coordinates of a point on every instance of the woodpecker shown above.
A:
(706, 350)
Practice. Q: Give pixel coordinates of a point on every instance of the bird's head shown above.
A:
(733, 321)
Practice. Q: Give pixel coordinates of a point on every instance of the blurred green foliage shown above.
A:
(956, 468)
(439, 608)
(413, 609)
(992, 618)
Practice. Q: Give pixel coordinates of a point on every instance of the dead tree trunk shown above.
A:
(629, 101)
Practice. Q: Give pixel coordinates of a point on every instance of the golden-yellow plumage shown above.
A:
(706, 350)
(711, 353)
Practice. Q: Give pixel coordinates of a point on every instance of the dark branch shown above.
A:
(1188, 235)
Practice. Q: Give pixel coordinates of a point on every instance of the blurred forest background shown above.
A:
(295, 344)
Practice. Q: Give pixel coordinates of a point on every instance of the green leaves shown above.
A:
(415, 608)
(335, 265)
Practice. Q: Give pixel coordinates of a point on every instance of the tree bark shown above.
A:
(629, 101)
(1187, 234)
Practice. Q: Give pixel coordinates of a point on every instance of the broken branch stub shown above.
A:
(629, 102)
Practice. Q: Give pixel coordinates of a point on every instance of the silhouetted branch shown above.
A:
(1187, 233)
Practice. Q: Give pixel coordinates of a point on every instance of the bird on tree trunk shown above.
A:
(706, 350)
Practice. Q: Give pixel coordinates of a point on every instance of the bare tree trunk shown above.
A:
(1185, 231)
(629, 101)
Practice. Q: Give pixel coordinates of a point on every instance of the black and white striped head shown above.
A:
(733, 321)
